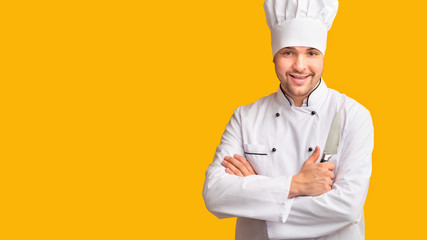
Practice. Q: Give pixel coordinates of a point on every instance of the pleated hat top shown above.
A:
(302, 23)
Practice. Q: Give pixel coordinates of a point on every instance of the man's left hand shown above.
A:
(237, 165)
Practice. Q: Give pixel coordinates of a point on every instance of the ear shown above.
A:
(275, 56)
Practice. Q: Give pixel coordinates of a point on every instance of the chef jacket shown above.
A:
(277, 138)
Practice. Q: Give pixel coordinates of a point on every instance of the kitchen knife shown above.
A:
(331, 146)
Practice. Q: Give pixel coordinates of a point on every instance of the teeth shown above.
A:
(299, 77)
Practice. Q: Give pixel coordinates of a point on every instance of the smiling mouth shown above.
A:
(300, 77)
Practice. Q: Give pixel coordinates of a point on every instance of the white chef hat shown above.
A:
(300, 22)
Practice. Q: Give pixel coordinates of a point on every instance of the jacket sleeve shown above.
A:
(311, 217)
(256, 196)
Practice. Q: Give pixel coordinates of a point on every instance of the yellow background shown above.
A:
(111, 111)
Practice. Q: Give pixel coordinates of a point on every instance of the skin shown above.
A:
(299, 70)
(314, 178)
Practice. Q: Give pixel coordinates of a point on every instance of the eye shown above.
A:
(287, 53)
(312, 53)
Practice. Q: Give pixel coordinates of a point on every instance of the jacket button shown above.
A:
(274, 149)
(277, 114)
(310, 149)
(313, 112)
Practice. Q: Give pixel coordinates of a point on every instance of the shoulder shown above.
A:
(261, 105)
(349, 105)
(356, 118)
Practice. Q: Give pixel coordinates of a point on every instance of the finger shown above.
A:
(240, 166)
(246, 163)
(232, 168)
(327, 165)
(313, 158)
(227, 170)
(331, 175)
(331, 166)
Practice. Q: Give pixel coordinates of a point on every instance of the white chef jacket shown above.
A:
(277, 138)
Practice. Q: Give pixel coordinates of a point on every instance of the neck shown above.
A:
(298, 100)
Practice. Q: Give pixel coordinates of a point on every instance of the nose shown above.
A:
(300, 64)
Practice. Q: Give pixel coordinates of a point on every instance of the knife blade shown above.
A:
(333, 139)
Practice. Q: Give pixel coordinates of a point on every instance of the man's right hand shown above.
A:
(314, 178)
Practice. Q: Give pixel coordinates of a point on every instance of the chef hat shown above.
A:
(300, 22)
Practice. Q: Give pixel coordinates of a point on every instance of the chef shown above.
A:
(267, 170)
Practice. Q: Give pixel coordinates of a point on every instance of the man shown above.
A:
(266, 170)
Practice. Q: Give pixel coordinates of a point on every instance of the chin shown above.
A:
(300, 92)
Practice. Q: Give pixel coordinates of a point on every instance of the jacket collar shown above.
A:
(314, 99)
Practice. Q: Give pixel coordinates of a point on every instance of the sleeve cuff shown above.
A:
(287, 202)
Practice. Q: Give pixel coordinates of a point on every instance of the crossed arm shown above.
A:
(313, 179)
(236, 190)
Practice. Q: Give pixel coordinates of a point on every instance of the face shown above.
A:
(299, 70)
